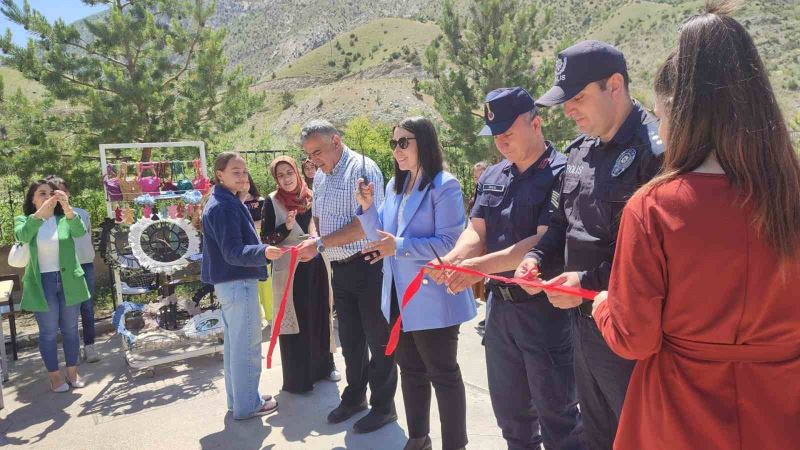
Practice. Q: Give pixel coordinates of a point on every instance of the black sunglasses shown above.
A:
(402, 142)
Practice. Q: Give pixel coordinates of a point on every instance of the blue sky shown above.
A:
(68, 10)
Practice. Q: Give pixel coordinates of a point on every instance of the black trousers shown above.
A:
(529, 358)
(357, 296)
(602, 379)
(428, 357)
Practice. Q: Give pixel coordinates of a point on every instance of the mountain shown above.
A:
(315, 38)
(343, 58)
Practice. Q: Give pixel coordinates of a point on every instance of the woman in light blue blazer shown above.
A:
(423, 209)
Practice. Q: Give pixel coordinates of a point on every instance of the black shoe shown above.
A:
(344, 412)
(373, 421)
(423, 443)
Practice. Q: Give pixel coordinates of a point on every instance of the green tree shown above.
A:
(143, 71)
(371, 138)
(488, 48)
(39, 141)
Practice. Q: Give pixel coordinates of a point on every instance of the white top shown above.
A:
(83, 245)
(403, 203)
(47, 246)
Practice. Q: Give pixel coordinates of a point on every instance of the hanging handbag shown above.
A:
(129, 186)
(201, 182)
(183, 184)
(19, 255)
(111, 183)
(167, 185)
(151, 184)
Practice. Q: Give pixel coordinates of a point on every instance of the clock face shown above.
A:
(119, 252)
(165, 241)
(163, 245)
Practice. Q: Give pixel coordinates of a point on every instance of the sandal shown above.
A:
(270, 406)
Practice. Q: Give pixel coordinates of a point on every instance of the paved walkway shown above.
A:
(183, 407)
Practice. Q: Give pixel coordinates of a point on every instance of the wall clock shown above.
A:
(165, 245)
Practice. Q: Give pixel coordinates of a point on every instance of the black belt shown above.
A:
(354, 257)
(349, 259)
(509, 292)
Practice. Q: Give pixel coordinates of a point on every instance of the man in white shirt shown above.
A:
(85, 251)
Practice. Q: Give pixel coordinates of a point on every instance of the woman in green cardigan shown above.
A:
(53, 284)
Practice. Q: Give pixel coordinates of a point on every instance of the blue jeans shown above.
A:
(87, 307)
(58, 316)
(242, 321)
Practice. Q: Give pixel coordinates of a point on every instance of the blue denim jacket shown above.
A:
(231, 247)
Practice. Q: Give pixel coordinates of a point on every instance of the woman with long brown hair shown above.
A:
(700, 290)
(306, 334)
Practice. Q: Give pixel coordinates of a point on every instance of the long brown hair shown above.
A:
(222, 162)
(719, 101)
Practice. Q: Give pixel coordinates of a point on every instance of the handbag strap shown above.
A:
(141, 167)
(196, 163)
(177, 167)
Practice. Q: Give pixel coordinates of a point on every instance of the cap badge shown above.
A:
(561, 65)
(489, 113)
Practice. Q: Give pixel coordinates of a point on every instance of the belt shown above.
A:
(354, 257)
(751, 353)
(349, 259)
(509, 292)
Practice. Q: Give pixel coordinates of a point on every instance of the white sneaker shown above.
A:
(335, 376)
(61, 389)
(90, 354)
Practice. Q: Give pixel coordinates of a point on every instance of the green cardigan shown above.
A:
(26, 229)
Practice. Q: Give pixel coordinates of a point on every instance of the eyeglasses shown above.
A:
(402, 142)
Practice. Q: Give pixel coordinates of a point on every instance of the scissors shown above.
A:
(441, 263)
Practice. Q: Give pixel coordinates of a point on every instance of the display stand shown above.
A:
(141, 357)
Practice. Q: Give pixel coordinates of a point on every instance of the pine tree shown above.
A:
(489, 47)
(143, 71)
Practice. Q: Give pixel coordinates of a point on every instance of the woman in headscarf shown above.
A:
(305, 334)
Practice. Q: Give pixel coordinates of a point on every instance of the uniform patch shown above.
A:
(489, 113)
(554, 197)
(561, 65)
(494, 188)
(624, 160)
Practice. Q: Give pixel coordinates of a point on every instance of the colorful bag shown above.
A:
(183, 184)
(129, 186)
(151, 184)
(111, 182)
(201, 182)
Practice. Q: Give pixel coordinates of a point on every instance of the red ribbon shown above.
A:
(276, 327)
(416, 283)
(411, 290)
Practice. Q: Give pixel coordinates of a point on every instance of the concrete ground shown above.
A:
(183, 407)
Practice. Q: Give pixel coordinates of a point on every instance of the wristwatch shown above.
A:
(320, 245)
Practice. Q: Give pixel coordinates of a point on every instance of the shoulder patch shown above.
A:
(575, 144)
(656, 144)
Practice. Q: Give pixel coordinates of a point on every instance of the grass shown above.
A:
(363, 47)
(13, 80)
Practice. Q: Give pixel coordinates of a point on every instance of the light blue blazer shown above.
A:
(434, 216)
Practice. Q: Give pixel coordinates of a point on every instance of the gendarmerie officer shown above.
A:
(528, 341)
(618, 152)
